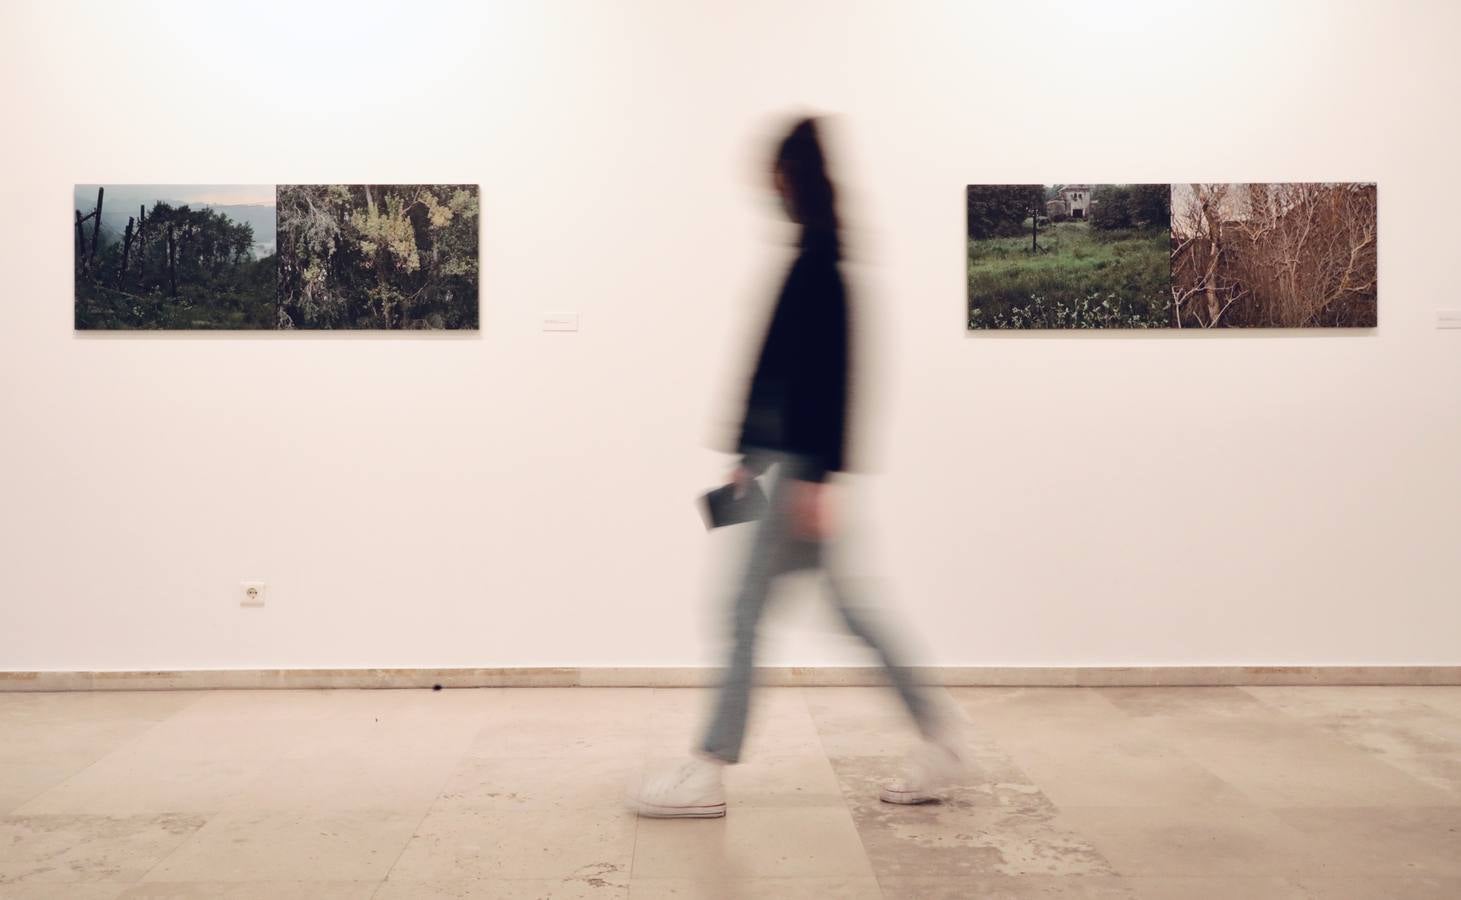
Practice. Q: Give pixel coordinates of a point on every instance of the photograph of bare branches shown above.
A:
(162, 256)
(374, 256)
(1294, 255)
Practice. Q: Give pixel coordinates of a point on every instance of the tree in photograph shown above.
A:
(1279, 255)
(86, 256)
(95, 229)
(377, 256)
(141, 246)
(1000, 210)
(173, 267)
(172, 260)
(1311, 252)
(1202, 290)
(1151, 205)
(1111, 207)
(126, 249)
(1116, 206)
(309, 231)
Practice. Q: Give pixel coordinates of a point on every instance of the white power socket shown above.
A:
(252, 593)
(1448, 318)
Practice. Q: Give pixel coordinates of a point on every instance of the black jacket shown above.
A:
(797, 401)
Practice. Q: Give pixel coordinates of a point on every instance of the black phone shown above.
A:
(722, 507)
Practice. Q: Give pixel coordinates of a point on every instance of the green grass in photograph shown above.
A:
(1080, 277)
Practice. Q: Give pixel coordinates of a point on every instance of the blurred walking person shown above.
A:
(794, 430)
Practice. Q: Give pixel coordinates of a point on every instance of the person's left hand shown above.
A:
(742, 477)
(810, 518)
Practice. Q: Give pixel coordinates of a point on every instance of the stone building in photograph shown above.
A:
(1073, 201)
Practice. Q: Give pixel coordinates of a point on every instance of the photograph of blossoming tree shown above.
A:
(397, 256)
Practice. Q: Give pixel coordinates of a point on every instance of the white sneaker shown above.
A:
(928, 774)
(692, 789)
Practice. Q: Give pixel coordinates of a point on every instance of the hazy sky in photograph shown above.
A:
(128, 195)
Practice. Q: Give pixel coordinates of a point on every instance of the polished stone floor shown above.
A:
(1181, 793)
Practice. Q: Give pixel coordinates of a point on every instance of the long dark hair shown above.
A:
(800, 160)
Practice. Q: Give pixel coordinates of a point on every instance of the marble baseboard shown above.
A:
(649, 676)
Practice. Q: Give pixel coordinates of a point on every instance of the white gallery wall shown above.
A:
(521, 498)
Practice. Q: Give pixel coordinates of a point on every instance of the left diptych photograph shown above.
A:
(276, 257)
(172, 256)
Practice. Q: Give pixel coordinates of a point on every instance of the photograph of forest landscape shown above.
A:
(400, 256)
(248, 257)
(1294, 255)
(1069, 256)
(175, 256)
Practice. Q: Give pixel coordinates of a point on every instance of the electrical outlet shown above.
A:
(252, 593)
(1448, 318)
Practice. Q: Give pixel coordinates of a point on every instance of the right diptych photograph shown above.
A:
(1181, 256)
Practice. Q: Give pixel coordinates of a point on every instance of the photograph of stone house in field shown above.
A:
(1068, 256)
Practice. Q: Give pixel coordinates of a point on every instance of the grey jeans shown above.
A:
(777, 551)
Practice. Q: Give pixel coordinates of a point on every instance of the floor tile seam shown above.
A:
(846, 802)
(13, 811)
(297, 811)
(1335, 742)
(412, 835)
(79, 772)
(1177, 753)
(634, 838)
(142, 879)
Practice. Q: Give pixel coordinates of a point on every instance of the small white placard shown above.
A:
(560, 321)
